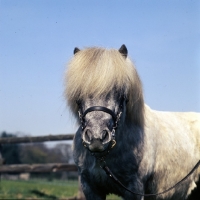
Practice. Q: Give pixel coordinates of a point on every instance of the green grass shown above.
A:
(40, 189)
(37, 189)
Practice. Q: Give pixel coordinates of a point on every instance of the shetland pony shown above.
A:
(148, 151)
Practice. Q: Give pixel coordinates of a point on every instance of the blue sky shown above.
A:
(37, 39)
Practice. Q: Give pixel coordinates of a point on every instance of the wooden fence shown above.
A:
(51, 167)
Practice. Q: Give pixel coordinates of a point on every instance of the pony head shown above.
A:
(104, 78)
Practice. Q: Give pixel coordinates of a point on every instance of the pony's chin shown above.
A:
(93, 148)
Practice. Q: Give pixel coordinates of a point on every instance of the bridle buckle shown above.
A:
(113, 143)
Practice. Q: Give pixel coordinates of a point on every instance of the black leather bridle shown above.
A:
(115, 117)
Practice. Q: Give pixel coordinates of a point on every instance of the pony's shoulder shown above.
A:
(184, 115)
(167, 118)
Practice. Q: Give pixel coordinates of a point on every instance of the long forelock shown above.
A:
(96, 72)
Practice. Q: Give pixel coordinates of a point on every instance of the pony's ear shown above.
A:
(76, 50)
(123, 50)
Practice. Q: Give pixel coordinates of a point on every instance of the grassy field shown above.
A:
(40, 189)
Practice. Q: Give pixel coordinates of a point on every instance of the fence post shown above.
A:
(1, 158)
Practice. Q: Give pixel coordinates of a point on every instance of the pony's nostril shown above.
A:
(105, 136)
(87, 136)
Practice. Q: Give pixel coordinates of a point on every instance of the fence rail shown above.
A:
(48, 138)
(50, 167)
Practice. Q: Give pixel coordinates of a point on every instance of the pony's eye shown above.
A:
(78, 102)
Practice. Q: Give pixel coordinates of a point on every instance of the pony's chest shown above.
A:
(98, 175)
(99, 179)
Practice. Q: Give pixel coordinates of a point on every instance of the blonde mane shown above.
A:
(96, 72)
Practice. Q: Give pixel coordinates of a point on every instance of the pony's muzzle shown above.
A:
(96, 142)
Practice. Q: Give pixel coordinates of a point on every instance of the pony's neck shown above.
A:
(129, 134)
